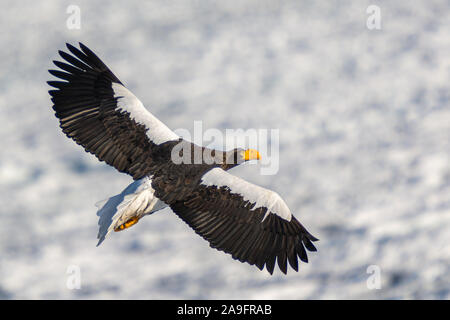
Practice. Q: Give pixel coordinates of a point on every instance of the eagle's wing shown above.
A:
(97, 111)
(249, 222)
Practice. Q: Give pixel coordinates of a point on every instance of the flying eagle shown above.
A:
(98, 112)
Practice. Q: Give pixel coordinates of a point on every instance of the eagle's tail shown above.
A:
(125, 209)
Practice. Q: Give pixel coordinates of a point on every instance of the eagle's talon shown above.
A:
(127, 224)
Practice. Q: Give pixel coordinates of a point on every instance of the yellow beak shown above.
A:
(251, 154)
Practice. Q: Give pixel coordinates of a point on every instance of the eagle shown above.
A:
(95, 109)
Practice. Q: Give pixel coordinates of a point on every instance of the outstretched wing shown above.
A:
(97, 111)
(251, 223)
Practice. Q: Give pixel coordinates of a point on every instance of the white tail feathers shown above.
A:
(101, 203)
(135, 201)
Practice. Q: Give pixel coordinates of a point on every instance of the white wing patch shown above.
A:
(157, 132)
(260, 196)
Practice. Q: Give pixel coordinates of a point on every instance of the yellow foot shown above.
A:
(127, 224)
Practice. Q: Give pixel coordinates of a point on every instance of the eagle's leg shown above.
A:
(127, 224)
(125, 209)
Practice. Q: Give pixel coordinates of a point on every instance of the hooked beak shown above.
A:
(251, 154)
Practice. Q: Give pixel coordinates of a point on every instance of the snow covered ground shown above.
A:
(364, 119)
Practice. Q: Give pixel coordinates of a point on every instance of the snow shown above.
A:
(364, 125)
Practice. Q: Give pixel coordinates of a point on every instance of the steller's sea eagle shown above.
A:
(98, 112)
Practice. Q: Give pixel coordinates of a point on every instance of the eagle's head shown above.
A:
(237, 156)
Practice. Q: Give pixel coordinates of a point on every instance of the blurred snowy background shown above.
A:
(364, 119)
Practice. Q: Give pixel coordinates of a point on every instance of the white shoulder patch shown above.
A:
(157, 132)
(257, 195)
